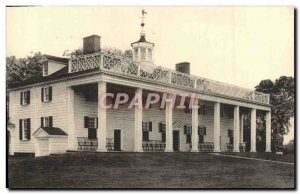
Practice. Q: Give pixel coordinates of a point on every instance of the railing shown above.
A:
(110, 144)
(86, 144)
(153, 146)
(126, 66)
(206, 147)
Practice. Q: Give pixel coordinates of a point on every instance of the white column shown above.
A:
(242, 129)
(71, 120)
(253, 130)
(236, 126)
(169, 124)
(217, 127)
(101, 133)
(138, 113)
(195, 137)
(268, 131)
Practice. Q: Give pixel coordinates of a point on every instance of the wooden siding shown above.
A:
(37, 109)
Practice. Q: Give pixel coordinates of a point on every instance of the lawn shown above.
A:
(147, 170)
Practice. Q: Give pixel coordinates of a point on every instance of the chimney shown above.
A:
(183, 67)
(91, 44)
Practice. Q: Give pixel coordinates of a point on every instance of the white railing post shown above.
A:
(101, 60)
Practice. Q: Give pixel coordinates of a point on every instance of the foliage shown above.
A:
(18, 70)
(282, 96)
(109, 50)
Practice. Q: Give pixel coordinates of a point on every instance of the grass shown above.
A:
(146, 170)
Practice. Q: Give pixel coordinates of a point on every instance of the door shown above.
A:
(117, 140)
(43, 147)
(92, 133)
(176, 141)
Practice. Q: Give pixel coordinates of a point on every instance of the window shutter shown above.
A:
(204, 130)
(159, 128)
(21, 98)
(86, 121)
(150, 126)
(51, 121)
(28, 97)
(199, 130)
(42, 121)
(50, 93)
(28, 134)
(185, 129)
(96, 122)
(42, 94)
(20, 129)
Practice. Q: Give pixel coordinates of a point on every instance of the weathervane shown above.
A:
(143, 17)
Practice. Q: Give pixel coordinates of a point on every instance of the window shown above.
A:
(91, 122)
(45, 69)
(201, 133)
(147, 126)
(188, 133)
(202, 110)
(25, 97)
(47, 121)
(47, 94)
(136, 52)
(149, 54)
(143, 54)
(24, 129)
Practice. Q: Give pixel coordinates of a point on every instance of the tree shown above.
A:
(282, 96)
(108, 50)
(18, 70)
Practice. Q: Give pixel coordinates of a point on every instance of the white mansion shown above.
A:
(59, 111)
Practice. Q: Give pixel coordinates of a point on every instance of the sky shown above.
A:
(235, 45)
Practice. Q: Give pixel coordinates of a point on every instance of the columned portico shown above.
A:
(268, 131)
(253, 130)
(138, 113)
(236, 126)
(101, 116)
(169, 124)
(217, 127)
(195, 137)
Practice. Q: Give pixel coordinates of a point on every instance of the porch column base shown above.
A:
(169, 151)
(217, 150)
(268, 151)
(236, 150)
(252, 151)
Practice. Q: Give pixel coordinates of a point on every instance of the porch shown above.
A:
(214, 127)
